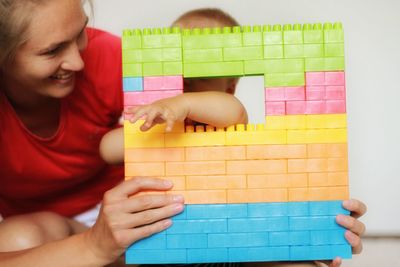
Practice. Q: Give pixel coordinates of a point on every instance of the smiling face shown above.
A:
(46, 64)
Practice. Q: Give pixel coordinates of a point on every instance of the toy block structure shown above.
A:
(266, 192)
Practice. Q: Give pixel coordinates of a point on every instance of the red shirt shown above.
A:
(65, 173)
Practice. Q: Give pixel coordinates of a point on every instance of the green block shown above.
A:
(252, 38)
(273, 51)
(172, 54)
(152, 38)
(218, 69)
(334, 63)
(232, 39)
(152, 69)
(293, 51)
(254, 67)
(132, 56)
(131, 42)
(313, 50)
(315, 64)
(152, 55)
(202, 41)
(132, 70)
(334, 50)
(243, 53)
(333, 33)
(284, 65)
(292, 37)
(284, 79)
(313, 33)
(202, 55)
(172, 68)
(171, 40)
(272, 37)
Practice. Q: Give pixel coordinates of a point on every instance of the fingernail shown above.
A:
(168, 183)
(177, 198)
(167, 223)
(341, 219)
(178, 207)
(346, 203)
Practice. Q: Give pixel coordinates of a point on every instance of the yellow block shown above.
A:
(323, 121)
(190, 139)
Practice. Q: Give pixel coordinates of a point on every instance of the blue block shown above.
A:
(328, 237)
(238, 240)
(279, 238)
(267, 209)
(258, 224)
(198, 226)
(213, 211)
(300, 253)
(259, 254)
(298, 208)
(337, 237)
(132, 84)
(155, 256)
(343, 251)
(337, 208)
(156, 241)
(320, 208)
(207, 255)
(237, 210)
(187, 241)
(321, 252)
(299, 238)
(181, 216)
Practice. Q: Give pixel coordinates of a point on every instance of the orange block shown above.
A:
(337, 150)
(276, 151)
(178, 181)
(145, 169)
(298, 194)
(267, 181)
(297, 180)
(327, 150)
(215, 182)
(317, 165)
(203, 196)
(319, 193)
(338, 192)
(257, 195)
(338, 178)
(154, 154)
(256, 167)
(215, 153)
(337, 164)
(318, 179)
(297, 165)
(195, 168)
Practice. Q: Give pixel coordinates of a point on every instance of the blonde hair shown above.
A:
(214, 14)
(15, 17)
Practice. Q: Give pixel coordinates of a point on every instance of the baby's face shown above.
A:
(226, 85)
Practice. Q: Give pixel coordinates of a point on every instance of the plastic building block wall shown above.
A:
(267, 192)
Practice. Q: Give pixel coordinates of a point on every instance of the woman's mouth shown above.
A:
(62, 77)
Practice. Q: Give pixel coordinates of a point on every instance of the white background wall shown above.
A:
(372, 40)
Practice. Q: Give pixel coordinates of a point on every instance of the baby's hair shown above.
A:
(214, 14)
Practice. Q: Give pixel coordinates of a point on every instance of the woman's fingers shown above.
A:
(351, 224)
(355, 242)
(135, 185)
(145, 202)
(356, 207)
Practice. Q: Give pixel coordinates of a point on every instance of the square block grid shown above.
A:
(247, 232)
(274, 188)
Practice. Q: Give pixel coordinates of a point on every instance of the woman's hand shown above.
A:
(355, 228)
(126, 217)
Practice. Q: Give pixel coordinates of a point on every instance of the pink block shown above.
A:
(315, 92)
(335, 106)
(275, 108)
(315, 107)
(296, 107)
(334, 78)
(158, 83)
(335, 92)
(275, 94)
(315, 78)
(295, 93)
(143, 98)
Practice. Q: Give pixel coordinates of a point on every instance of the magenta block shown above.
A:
(337, 92)
(315, 107)
(275, 94)
(159, 83)
(275, 108)
(144, 98)
(315, 78)
(335, 106)
(295, 93)
(315, 92)
(334, 78)
(296, 107)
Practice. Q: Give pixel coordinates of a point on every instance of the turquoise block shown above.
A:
(279, 238)
(198, 226)
(187, 241)
(298, 208)
(208, 255)
(213, 211)
(155, 256)
(299, 238)
(259, 254)
(132, 84)
(157, 241)
(267, 209)
(343, 251)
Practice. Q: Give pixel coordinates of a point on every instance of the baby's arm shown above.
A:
(213, 108)
(112, 146)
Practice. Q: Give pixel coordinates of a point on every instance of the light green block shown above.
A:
(152, 69)
(334, 63)
(315, 64)
(172, 54)
(254, 67)
(152, 38)
(273, 51)
(313, 50)
(219, 69)
(295, 79)
(202, 41)
(274, 80)
(243, 53)
(324, 64)
(252, 38)
(202, 55)
(172, 68)
(131, 42)
(293, 51)
(292, 37)
(132, 70)
(284, 65)
(272, 37)
(334, 50)
(132, 56)
(152, 55)
(333, 33)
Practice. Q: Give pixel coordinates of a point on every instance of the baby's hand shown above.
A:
(168, 110)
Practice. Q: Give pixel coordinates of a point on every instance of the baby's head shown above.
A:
(207, 18)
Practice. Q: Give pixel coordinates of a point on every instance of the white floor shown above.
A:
(377, 252)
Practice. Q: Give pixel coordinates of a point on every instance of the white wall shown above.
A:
(372, 39)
